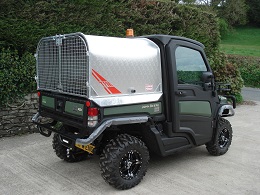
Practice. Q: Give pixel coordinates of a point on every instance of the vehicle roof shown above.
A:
(166, 38)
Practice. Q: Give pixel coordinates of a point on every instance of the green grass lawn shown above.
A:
(243, 41)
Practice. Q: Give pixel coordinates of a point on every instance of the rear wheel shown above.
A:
(222, 139)
(124, 161)
(65, 153)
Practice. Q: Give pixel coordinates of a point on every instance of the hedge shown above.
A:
(249, 68)
(226, 71)
(24, 22)
(16, 75)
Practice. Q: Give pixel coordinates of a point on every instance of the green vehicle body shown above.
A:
(175, 106)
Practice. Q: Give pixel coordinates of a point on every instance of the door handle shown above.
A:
(180, 93)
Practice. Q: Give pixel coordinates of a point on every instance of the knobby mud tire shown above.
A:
(124, 161)
(220, 143)
(61, 151)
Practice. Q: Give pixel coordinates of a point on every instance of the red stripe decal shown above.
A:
(110, 89)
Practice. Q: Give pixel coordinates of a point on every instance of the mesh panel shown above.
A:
(48, 65)
(71, 76)
(74, 66)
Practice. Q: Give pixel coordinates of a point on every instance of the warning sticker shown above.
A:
(148, 87)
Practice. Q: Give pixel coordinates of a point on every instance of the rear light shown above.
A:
(88, 104)
(92, 117)
(92, 111)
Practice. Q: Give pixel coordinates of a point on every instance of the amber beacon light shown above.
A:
(130, 32)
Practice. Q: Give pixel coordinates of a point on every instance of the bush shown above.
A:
(227, 72)
(199, 25)
(16, 75)
(223, 28)
(249, 68)
(23, 23)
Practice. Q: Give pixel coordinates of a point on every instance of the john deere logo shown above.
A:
(76, 109)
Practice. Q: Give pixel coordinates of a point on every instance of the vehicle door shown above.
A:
(193, 100)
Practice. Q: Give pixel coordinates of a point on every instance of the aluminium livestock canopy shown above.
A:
(108, 70)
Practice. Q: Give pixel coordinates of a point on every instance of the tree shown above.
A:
(234, 12)
(254, 11)
(189, 1)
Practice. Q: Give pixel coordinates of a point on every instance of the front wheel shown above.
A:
(222, 140)
(124, 161)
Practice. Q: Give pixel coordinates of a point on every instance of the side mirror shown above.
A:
(207, 77)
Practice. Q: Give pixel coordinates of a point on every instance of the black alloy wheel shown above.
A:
(124, 161)
(221, 139)
(130, 165)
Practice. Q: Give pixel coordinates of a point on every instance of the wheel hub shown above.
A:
(130, 164)
(223, 138)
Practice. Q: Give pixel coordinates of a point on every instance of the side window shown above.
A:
(190, 65)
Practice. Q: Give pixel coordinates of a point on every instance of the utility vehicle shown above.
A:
(124, 98)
